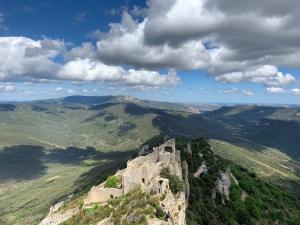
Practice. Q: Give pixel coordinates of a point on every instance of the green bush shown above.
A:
(159, 213)
(176, 185)
(112, 182)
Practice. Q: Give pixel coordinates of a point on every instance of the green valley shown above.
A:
(52, 148)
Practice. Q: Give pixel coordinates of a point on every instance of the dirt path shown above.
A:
(47, 143)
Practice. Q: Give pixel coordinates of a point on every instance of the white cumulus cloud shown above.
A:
(24, 59)
(65, 90)
(266, 74)
(295, 91)
(276, 90)
(234, 41)
(8, 88)
(88, 70)
(238, 91)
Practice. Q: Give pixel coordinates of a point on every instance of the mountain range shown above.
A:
(58, 146)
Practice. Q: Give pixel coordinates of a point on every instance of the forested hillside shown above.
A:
(250, 201)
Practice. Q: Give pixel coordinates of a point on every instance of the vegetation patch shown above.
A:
(113, 182)
(133, 208)
(89, 216)
(252, 202)
(176, 185)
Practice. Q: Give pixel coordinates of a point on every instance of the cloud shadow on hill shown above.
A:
(7, 107)
(282, 135)
(21, 162)
(28, 162)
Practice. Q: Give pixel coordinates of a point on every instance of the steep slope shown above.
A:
(225, 193)
(54, 147)
(254, 112)
(269, 164)
(148, 191)
(216, 192)
(276, 127)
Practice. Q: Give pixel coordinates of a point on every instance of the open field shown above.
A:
(32, 178)
(38, 163)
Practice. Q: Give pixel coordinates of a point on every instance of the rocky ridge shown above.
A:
(144, 173)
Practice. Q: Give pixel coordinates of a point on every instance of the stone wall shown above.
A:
(97, 194)
(144, 172)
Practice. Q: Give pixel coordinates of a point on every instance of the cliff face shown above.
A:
(156, 178)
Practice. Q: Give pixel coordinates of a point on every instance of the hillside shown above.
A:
(58, 146)
(276, 127)
(104, 122)
(266, 140)
(254, 112)
(94, 100)
(224, 193)
(214, 191)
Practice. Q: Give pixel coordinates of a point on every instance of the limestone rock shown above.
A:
(59, 217)
(223, 184)
(202, 169)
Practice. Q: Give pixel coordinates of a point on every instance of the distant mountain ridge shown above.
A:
(277, 127)
(94, 100)
(254, 112)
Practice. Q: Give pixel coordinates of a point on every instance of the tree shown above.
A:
(112, 182)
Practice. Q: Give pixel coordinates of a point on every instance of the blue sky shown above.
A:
(179, 51)
(60, 18)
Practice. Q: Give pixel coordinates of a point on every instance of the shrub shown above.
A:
(112, 182)
(159, 213)
(175, 183)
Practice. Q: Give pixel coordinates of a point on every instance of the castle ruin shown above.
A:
(144, 172)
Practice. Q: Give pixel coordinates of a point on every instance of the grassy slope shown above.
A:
(56, 124)
(275, 127)
(133, 208)
(37, 165)
(66, 127)
(35, 170)
(268, 163)
(266, 141)
(39, 178)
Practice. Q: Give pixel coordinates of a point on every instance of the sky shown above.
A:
(198, 51)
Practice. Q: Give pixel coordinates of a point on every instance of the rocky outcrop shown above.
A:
(223, 184)
(106, 221)
(57, 218)
(202, 169)
(189, 149)
(185, 169)
(142, 173)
